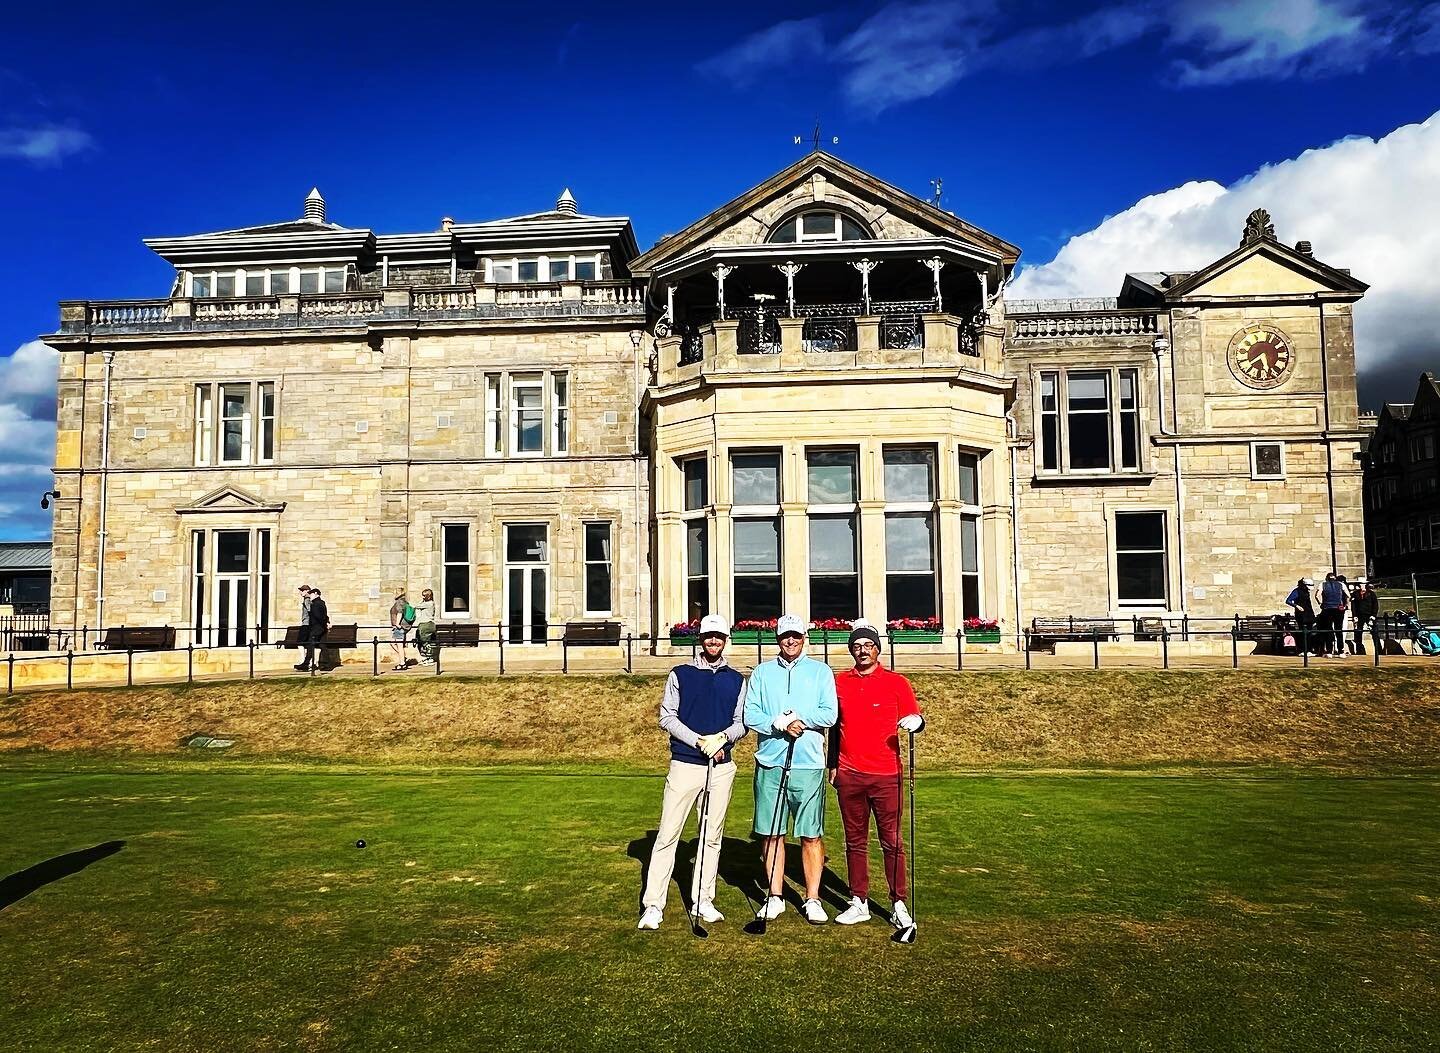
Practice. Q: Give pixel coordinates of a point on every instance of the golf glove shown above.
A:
(712, 744)
(911, 722)
(784, 720)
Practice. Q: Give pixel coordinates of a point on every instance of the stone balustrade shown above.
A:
(181, 314)
(1122, 323)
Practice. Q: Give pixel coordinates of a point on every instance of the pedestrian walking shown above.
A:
(1331, 620)
(875, 706)
(1365, 609)
(425, 627)
(790, 702)
(1301, 602)
(319, 623)
(304, 633)
(402, 617)
(703, 711)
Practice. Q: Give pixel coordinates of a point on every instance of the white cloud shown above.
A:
(27, 438)
(913, 49)
(767, 51)
(45, 144)
(1365, 204)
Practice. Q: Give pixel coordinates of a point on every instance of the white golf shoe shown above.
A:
(858, 911)
(651, 919)
(773, 908)
(708, 914)
(900, 915)
(814, 913)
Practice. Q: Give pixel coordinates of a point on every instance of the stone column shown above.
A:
(792, 336)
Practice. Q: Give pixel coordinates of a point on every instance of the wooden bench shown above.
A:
(139, 638)
(457, 634)
(339, 636)
(1149, 628)
(1265, 629)
(591, 634)
(1046, 632)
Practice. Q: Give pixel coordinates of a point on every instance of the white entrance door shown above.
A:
(232, 587)
(527, 594)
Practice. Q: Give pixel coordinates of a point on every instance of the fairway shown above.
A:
(226, 907)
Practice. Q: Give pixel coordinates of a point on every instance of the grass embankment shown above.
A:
(1344, 717)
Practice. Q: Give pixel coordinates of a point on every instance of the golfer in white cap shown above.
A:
(702, 708)
(790, 703)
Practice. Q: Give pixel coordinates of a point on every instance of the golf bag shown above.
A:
(1427, 641)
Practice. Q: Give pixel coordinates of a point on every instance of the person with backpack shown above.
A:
(402, 617)
(1301, 602)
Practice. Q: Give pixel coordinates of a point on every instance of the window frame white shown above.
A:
(608, 563)
(325, 274)
(971, 512)
(256, 426)
(895, 509)
(1255, 472)
(505, 270)
(690, 517)
(757, 513)
(830, 510)
(1147, 603)
(835, 235)
(468, 563)
(1060, 377)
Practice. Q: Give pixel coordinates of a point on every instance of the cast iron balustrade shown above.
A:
(759, 331)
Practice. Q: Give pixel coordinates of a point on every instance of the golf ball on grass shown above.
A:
(360, 843)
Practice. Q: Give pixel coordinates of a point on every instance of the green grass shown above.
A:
(1124, 911)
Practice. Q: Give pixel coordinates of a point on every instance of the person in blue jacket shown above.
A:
(789, 703)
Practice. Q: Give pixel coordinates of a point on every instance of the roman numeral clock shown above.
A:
(1261, 356)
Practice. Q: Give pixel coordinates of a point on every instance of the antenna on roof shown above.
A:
(315, 206)
(815, 138)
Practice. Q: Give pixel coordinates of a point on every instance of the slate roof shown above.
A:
(24, 555)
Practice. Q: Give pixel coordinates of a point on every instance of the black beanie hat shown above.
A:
(863, 632)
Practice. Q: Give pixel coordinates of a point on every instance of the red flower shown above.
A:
(686, 628)
(831, 624)
(929, 625)
(981, 624)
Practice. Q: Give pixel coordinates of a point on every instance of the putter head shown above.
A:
(755, 927)
(905, 935)
(699, 930)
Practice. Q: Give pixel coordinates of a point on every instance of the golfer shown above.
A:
(875, 706)
(791, 699)
(701, 709)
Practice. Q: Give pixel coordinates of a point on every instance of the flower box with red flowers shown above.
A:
(982, 630)
(683, 634)
(749, 630)
(830, 630)
(915, 630)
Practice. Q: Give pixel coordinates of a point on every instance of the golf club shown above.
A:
(907, 934)
(757, 925)
(699, 882)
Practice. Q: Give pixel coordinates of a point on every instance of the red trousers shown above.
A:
(860, 795)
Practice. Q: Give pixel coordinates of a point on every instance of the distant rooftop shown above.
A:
(24, 555)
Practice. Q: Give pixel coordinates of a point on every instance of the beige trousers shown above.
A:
(683, 787)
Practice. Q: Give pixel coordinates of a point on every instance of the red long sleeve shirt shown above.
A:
(870, 706)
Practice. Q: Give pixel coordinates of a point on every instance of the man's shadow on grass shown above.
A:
(741, 868)
(20, 884)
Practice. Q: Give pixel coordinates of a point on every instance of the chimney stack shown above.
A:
(446, 223)
(1303, 247)
(315, 206)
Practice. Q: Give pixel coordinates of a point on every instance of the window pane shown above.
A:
(334, 279)
(756, 479)
(910, 596)
(584, 270)
(696, 483)
(832, 544)
(1088, 391)
(225, 284)
(835, 596)
(909, 475)
(909, 541)
(1050, 442)
(851, 231)
(969, 544)
(784, 232)
(279, 282)
(970, 596)
(560, 272)
(232, 551)
(234, 441)
(529, 270)
(597, 587)
(697, 598)
(309, 281)
(254, 283)
(1140, 577)
(503, 272)
(1127, 389)
(597, 542)
(1139, 530)
(818, 223)
(456, 595)
(757, 597)
(969, 479)
(697, 549)
(199, 285)
(832, 476)
(457, 543)
(757, 546)
(1047, 391)
(526, 543)
(1089, 440)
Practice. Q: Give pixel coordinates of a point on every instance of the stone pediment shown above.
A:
(230, 499)
(1264, 267)
(821, 181)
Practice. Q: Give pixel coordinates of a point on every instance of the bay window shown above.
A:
(911, 586)
(755, 499)
(970, 535)
(695, 499)
(833, 494)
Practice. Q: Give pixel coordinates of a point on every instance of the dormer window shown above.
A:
(565, 267)
(270, 281)
(819, 226)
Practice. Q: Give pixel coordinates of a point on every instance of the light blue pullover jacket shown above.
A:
(806, 688)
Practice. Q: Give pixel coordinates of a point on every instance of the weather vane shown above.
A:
(815, 138)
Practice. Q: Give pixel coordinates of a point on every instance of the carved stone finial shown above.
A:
(1258, 227)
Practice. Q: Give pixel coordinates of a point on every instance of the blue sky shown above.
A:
(1042, 119)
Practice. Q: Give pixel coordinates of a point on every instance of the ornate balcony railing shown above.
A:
(578, 299)
(759, 332)
(1109, 323)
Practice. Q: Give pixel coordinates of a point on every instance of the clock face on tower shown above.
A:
(1261, 357)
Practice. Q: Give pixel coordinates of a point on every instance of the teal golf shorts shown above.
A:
(804, 801)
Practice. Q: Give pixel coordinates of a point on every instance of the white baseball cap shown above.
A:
(1307, 581)
(789, 623)
(714, 625)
